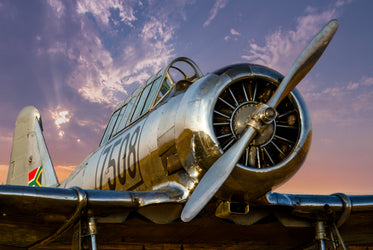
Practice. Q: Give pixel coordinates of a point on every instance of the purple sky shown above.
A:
(75, 60)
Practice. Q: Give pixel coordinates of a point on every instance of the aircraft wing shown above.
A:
(32, 216)
(47, 218)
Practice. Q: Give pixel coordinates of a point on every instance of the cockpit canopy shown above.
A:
(146, 97)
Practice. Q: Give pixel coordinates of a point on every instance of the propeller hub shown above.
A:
(239, 124)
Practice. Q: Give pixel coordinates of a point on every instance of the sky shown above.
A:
(75, 60)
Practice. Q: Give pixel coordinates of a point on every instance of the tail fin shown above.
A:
(30, 163)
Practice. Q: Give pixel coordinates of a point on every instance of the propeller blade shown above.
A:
(222, 168)
(304, 62)
(215, 177)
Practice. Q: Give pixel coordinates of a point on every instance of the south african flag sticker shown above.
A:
(34, 177)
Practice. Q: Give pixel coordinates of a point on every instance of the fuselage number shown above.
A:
(118, 166)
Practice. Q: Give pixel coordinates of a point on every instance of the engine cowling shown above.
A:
(211, 117)
(278, 151)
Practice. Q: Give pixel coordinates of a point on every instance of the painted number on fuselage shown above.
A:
(118, 166)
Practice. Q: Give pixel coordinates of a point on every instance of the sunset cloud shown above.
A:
(60, 117)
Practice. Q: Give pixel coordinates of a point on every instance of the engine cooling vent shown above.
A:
(237, 102)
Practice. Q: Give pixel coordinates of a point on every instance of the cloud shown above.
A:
(340, 3)
(344, 104)
(95, 76)
(91, 124)
(353, 85)
(219, 4)
(101, 75)
(94, 69)
(235, 32)
(90, 65)
(101, 10)
(156, 30)
(233, 35)
(281, 48)
(367, 81)
(57, 6)
(60, 117)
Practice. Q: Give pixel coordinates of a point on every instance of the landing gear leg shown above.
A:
(84, 236)
(320, 234)
(339, 241)
(335, 236)
(92, 231)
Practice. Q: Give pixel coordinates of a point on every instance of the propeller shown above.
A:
(265, 114)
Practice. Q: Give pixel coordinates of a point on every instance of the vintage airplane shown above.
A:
(187, 160)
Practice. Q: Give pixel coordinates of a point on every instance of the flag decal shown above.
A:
(34, 177)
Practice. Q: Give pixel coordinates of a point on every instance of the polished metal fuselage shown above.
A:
(175, 144)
